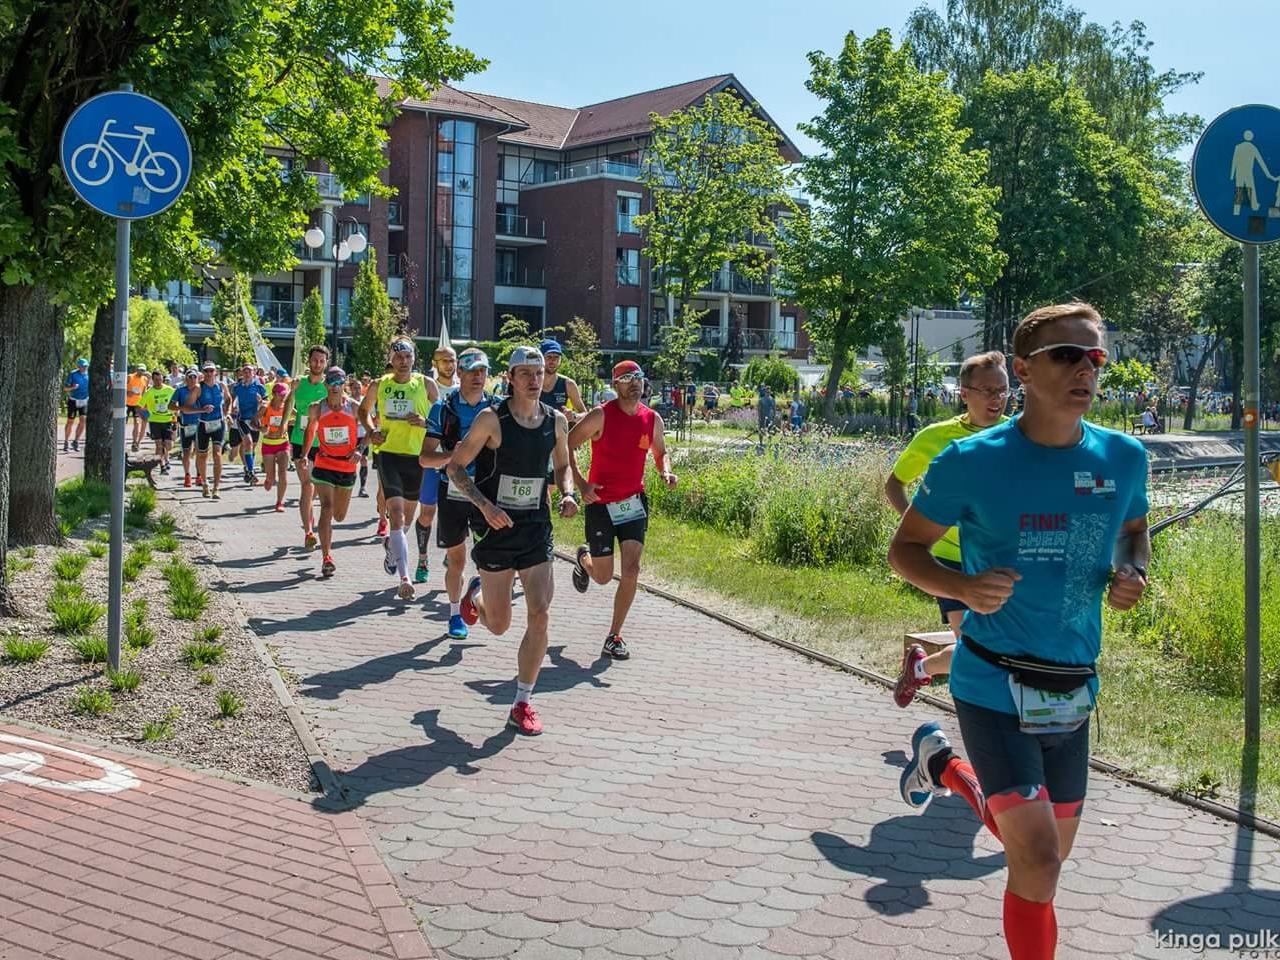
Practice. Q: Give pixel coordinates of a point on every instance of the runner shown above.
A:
(247, 396)
(159, 418)
(307, 390)
(1037, 560)
(510, 445)
(404, 399)
(710, 400)
(187, 395)
(331, 425)
(984, 387)
(559, 392)
(137, 384)
(273, 422)
(211, 404)
(381, 502)
(76, 387)
(357, 389)
(444, 378)
(444, 363)
(177, 376)
(622, 433)
(451, 419)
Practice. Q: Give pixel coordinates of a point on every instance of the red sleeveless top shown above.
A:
(617, 458)
(336, 431)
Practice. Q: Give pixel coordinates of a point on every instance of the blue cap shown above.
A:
(550, 346)
(82, 362)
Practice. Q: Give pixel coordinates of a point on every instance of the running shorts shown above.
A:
(429, 490)
(295, 452)
(400, 475)
(1006, 759)
(453, 519)
(76, 408)
(710, 403)
(513, 548)
(797, 423)
(271, 447)
(333, 478)
(602, 531)
(947, 604)
(160, 431)
(133, 412)
(246, 429)
(211, 432)
(187, 432)
(233, 435)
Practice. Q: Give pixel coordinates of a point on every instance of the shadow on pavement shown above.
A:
(331, 685)
(366, 603)
(415, 765)
(562, 674)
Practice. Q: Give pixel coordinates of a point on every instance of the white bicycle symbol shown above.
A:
(20, 768)
(94, 163)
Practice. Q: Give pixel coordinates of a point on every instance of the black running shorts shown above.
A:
(160, 431)
(602, 531)
(246, 429)
(295, 452)
(946, 604)
(453, 518)
(333, 478)
(211, 433)
(400, 475)
(512, 548)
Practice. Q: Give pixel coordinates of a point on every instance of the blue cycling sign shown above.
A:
(126, 155)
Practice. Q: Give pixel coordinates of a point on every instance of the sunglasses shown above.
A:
(629, 377)
(1070, 354)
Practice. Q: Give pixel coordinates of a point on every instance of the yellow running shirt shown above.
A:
(395, 402)
(156, 400)
(920, 452)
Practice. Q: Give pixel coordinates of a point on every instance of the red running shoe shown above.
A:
(524, 720)
(468, 606)
(186, 481)
(382, 526)
(904, 691)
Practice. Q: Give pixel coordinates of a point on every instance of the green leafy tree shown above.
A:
(676, 341)
(1126, 376)
(771, 371)
(230, 336)
(155, 336)
(311, 332)
(513, 332)
(896, 369)
(373, 323)
(715, 177)
(581, 362)
(900, 211)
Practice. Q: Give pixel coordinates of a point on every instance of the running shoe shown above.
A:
(917, 785)
(327, 567)
(406, 589)
(458, 627)
(65, 446)
(420, 575)
(363, 493)
(388, 559)
(615, 647)
(215, 495)
(75, 445)
(904, 690)
(523, 719)
(309, 541)
(186, 481)
(204, 489)
(279, 508)
(382, 526)
(581, 579)
(469, 612)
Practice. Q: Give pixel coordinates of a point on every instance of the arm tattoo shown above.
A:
(463, 483)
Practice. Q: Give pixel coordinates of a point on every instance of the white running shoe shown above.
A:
(917, 785)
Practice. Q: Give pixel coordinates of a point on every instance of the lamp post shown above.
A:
(341, 250)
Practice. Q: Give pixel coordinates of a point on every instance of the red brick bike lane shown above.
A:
(106, 854)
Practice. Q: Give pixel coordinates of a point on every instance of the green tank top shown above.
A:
(306, 394)
(395, 402)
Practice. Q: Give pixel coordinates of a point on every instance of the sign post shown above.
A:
(1236, 175)
(127, 157)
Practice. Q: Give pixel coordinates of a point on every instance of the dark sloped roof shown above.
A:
(548, 126)
(629, 116)
(447, 99)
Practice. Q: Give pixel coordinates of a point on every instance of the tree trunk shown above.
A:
(13, 307)
(33, 433)
(1190, 415)
(839, 348)
(97, 434)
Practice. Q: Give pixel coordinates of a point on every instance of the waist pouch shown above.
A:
(1034, 672)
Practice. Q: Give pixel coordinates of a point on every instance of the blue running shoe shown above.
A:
(458, 627)
(917, 786)
(420, 575)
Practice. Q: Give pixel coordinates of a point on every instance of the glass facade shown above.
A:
(455, 226)
(626, 326)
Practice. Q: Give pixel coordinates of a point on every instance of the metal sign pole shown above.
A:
(119, 380)
(1252, 539)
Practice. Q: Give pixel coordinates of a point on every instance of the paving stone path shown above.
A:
(715, 797)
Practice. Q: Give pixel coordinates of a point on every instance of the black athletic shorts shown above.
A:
(333, 478)
(295, 452)
(160, 431)
(245, 428)
(73, 410)
(400, 475)
(233, 436)
(210, 433)
(602, 531)
(188, 435)
(513, 548)
(133, 412)
(1005, 758)
(946, 604)
(453, 518)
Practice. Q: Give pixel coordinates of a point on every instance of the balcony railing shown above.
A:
(753, 339)
(279, 314)
(514, 277)
(395, 264)
(197, 309)
(626, 334)
(598, 168)
(710, 337)
(628, 276)
(730, 281)
(395, 215)
(515, 225)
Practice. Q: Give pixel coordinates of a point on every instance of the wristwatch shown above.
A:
(1141, 570)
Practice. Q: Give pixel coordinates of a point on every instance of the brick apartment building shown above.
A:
(507, 206)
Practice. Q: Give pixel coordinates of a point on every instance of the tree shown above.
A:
(155, 337)
(896, 369)
(900, 212)
(772, 371)
(242, 77)
(1126, 376)
(311, 333)
(230, 336)
(513, 332)
(715, 178)
(372, 322)
(581, 362)
(676, 340)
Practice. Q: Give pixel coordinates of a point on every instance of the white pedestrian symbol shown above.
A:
(1243, 158)
(94, 163)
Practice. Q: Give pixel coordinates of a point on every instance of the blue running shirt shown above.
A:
(248, 397)
(466, 414)
(1052, 514)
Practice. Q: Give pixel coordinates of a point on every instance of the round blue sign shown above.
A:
(1235, 171)
(126, 155)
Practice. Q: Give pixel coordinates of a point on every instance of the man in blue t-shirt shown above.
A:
(247, 395)
(448, 422)
(76, 387)
(1038, 558)
(187, 395)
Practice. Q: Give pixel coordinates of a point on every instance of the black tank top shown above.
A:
(557, 396)
(515, 475)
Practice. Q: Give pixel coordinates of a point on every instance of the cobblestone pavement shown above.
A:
(715, 797)
(113, 856)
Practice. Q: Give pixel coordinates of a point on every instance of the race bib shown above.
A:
(520, 493)
(189, 429)
(625, 511)
(80, 404)
(1042, 711)
(336, 436)
(399, 408)
(274, 422)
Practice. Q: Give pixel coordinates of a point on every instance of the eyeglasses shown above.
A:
(1070, 354)
(991, 393)
(629, 377)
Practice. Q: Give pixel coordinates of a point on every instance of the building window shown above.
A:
(505, 263)
(626, 326)
(628, 267)
(363, 230)
(455, 217)
(786, 334)
(344, 307)
(628, 208)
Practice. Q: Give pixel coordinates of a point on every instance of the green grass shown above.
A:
(124, 680)
(96, 550)
(136, 561)
(95, 703)
(27, 552)
(77, 500)
(89, 649)
(164, 523)
(187, 599)
(24, 649)
(14, 565)
(69, 565)
(63, 591)
(102, 536)
(75, 616)
(229, 705)
(142, 502)
(199, 654)
(209, 635)
(165, 542)
(161, 729)
(204, 678)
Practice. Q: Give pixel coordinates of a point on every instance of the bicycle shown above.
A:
(145, 164)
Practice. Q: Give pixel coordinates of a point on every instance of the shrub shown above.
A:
(90, 649)
(142, 501)
(69, 565)
(199, 653)
(78, 500)
(209, 634)
(138, 636)
(165, 542)
(187, 599)
(161, 729)
(76, 616)
(204, 678)
(136, 561)
(96, 550)
(62, 592)
(165, 523)
(229, 705)
(102, 536)
(716, 490)
(124, 680)
(14, 565)
(25, 650)
(95, 703)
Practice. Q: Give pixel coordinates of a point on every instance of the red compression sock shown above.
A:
(1030, 928)
(959, 778)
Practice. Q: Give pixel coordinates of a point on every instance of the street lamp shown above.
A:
(341, 251)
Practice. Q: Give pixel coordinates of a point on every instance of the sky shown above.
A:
(575, 52)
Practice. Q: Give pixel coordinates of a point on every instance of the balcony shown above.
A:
(515, 230)
(277, 314)
(515, 277)
(196, 310)
(710, 337)
(626, 334)
(753, 339)
(732, 282)
(587, 168)
(395, 215)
